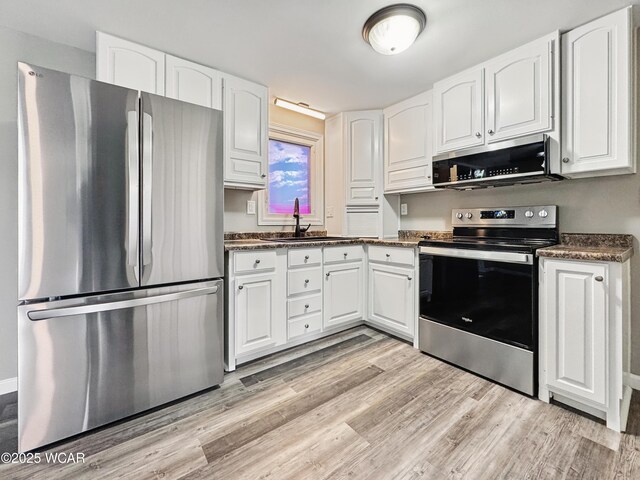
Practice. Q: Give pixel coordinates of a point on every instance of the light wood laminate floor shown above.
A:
(357, 405)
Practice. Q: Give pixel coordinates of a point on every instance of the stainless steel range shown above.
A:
(479, 292)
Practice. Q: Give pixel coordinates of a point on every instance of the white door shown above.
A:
(575, 316)
(459, 111)
(407, 140)
(128, 64)
(519, 91)
(596, 88)
(255, 313)
(245, 133)
(363, 154)
(193, 83)
(391, 298)
(343, 294)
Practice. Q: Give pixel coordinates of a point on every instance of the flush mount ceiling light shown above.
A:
(393, 29)
(300, 108)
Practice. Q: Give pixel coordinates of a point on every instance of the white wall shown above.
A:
(14, 47)
(236, 218)
(595, 205)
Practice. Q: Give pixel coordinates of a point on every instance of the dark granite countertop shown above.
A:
(595, 247)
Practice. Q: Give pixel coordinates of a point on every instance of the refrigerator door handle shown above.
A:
(147, 184)
(119, 305)
(133, 198)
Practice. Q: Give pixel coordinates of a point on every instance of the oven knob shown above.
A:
(543, 213)
(528, 214)
(469, 215)
(459, 215)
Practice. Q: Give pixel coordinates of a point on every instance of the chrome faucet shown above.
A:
(296, 214)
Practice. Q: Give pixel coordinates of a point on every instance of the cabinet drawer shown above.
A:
(307, 324)
(305, 257)
(348, 253)
(254, 261)
(402, 256)
(305, 280)
(304, 305)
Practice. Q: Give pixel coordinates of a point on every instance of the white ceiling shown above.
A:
(309, 50)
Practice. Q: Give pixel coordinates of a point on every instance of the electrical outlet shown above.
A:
(329, 212)
(403, 209)
(251, 207)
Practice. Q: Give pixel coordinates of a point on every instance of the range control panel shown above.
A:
(537, 216)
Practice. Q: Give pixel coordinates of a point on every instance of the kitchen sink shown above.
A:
(305, 239)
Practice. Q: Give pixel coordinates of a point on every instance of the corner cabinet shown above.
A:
(584, 321)
(129, 65)
(599, 110)
(245, 133)
(408, 145)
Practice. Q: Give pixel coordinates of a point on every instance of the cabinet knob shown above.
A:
(388, 255)
(306, 257)
(328, 274)
(376, 198)
(306, 305)
(599, 278)
(478, 134)
(565, 160)
(345, 254)
(409, 278)
(306, 325)
(240, 287)
(491, 132)
(257, 261)
(306, 281)
(263, 175)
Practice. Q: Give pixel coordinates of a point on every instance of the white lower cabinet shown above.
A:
(255, 313)
(583, 323)
(280, 298)
(391, 298)
(343, 293)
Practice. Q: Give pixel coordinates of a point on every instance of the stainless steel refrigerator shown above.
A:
(121, 256)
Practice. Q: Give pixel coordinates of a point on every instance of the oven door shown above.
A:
(488, 293)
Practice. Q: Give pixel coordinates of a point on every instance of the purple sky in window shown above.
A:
(288, 177)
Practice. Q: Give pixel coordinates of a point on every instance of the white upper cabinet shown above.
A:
(598, 84)
(245, 133)
(459, 111)
(408, 145)
(363, 156)
(193, 83)
(128, 64)
(519, 91)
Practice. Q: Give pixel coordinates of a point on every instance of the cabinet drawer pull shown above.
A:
(491, 132)
(306, 305)
(306, 281)
(409, 278)
(599, 278)
(565, 160)
(263, 175)
(257, 261)
(388, 255)
(240, 287)
(306, 325)
(306, 257)
(478, 134)
(328, 273)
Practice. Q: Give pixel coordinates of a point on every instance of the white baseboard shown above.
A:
(11, 385)
(632, 380)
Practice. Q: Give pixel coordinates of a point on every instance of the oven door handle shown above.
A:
(490, 255)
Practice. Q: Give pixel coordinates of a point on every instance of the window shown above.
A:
(295, 171)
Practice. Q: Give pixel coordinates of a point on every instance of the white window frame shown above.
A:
(316, 188)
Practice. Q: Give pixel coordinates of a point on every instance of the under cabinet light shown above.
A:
(300, 108)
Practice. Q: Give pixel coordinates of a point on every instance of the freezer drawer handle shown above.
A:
(108, 306)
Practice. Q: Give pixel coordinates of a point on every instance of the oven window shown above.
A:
(491, 299)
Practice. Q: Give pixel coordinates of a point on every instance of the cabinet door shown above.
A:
(391, 298)
(407, 139)
(459, 111)
(575, 318)
(519, 91)
(363, 155)
(597, 106)
(343, 294)
(255, 313)
(193, 83)
(245, 133)
(130, 65)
